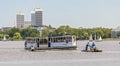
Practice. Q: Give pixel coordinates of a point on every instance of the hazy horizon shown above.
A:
(75, 13)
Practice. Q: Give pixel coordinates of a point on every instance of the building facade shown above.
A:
(27, 23)
(114, 32)
(20, 20)
(5, 28)
(36, 18)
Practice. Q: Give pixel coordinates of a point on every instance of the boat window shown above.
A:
(43, 41)
(70, 39)
(31, 41)
(61, 39)
(51, 39)
(54, 39)
(74, 38)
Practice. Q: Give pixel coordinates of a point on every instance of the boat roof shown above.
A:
(31, 37)
(63, 36)
(47, 37)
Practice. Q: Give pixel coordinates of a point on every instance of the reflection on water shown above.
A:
(12, 53)
(59, 61)
(111, 52)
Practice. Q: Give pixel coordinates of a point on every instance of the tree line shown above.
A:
(81, 33)
(18, 34)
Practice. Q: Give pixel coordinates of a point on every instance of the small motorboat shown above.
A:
(91, 51)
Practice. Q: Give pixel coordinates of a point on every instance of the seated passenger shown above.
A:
(25, 43)
(94, 46)
(66, 40)
(87, 46)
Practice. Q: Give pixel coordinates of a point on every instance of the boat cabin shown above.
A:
(60, 42)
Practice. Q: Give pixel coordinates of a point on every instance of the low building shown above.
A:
(6, 28)
(27, 23)
(114, 32)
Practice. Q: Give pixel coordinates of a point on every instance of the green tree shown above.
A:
(17, 36)
(118, 34)
(12, 31)
(81, 33)
(1, 36)
(86, 36)
(28, 32)
(45, 33)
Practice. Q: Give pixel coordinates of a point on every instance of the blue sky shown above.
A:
(76, 13)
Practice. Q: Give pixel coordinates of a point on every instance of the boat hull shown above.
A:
(92, 51)
(58, 47)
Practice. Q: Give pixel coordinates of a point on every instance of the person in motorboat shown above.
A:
(93, 46)
(87, 46)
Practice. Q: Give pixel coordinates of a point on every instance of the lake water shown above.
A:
(12, 53)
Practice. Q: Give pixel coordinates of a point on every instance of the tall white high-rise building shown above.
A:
(20, 20)
(36, 17)
(33, 18)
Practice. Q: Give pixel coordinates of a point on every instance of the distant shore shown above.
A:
(106, 39)
(111, 39)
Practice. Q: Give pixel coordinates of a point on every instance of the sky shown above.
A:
(75, 13)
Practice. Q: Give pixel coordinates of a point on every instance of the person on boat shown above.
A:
(25, 43)
(38, 42)
(66, 40)
(32, 48)
(87, 46)
(94, 46)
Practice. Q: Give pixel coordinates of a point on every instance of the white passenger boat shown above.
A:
(58, 42)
